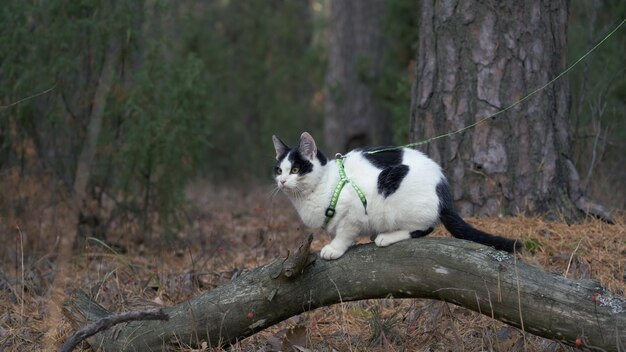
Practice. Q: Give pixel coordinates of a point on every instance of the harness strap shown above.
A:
(343, 179)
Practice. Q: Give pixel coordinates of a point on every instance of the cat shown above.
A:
(405, 195)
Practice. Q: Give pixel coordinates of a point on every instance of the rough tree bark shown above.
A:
(354, 118)
(491, 282)
(474, 59)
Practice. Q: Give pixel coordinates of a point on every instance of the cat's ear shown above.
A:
(280, 146)
(308, 149)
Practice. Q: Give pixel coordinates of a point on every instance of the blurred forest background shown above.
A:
(180, 90)
(110, 110)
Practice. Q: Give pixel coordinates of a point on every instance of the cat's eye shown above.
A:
(294, 170)
(278, 170)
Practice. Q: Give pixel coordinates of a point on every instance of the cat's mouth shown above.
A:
(288, 188)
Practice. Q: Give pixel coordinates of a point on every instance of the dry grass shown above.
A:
(234, 230)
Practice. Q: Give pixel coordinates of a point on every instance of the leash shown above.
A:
(493, 116)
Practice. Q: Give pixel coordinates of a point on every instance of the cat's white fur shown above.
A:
(413, 206)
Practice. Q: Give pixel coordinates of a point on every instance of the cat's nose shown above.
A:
(282, 182)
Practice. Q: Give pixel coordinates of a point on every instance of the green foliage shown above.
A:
(60, 44)
(165, 133)
(198, 87)
(266, 72)
(384, 329)
(156, 120)
(598, 88)
(533, 245)
(602, 80)
(393, 87)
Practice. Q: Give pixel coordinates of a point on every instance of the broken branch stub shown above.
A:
(301, 257)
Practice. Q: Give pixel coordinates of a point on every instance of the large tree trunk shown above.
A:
(474, 59)
(491, 282)
(354, 117)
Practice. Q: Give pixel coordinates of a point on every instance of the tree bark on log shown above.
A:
(470, 275)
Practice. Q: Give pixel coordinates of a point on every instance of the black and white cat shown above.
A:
(406, 192)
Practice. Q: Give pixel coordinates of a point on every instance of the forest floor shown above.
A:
(235, 230)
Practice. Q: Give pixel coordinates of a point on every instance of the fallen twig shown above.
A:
(109, 321)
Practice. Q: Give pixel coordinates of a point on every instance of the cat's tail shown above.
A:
(460, 229)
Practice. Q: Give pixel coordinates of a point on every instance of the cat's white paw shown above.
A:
(382, 241)
(385, 239)
(329, 252)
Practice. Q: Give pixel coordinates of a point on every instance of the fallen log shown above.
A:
(470, 275)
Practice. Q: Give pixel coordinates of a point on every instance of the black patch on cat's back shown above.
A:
(383, 159)
(390, 178)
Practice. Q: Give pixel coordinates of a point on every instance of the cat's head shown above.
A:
(298, 169)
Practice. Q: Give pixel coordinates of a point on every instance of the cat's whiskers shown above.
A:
(299, 191)
(273, 193)
(296, 193)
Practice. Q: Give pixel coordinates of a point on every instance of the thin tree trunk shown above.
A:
(79, 194)
(354, 118)
(474, 59)
(491, 282)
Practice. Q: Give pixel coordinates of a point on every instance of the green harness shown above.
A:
(343, 179)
